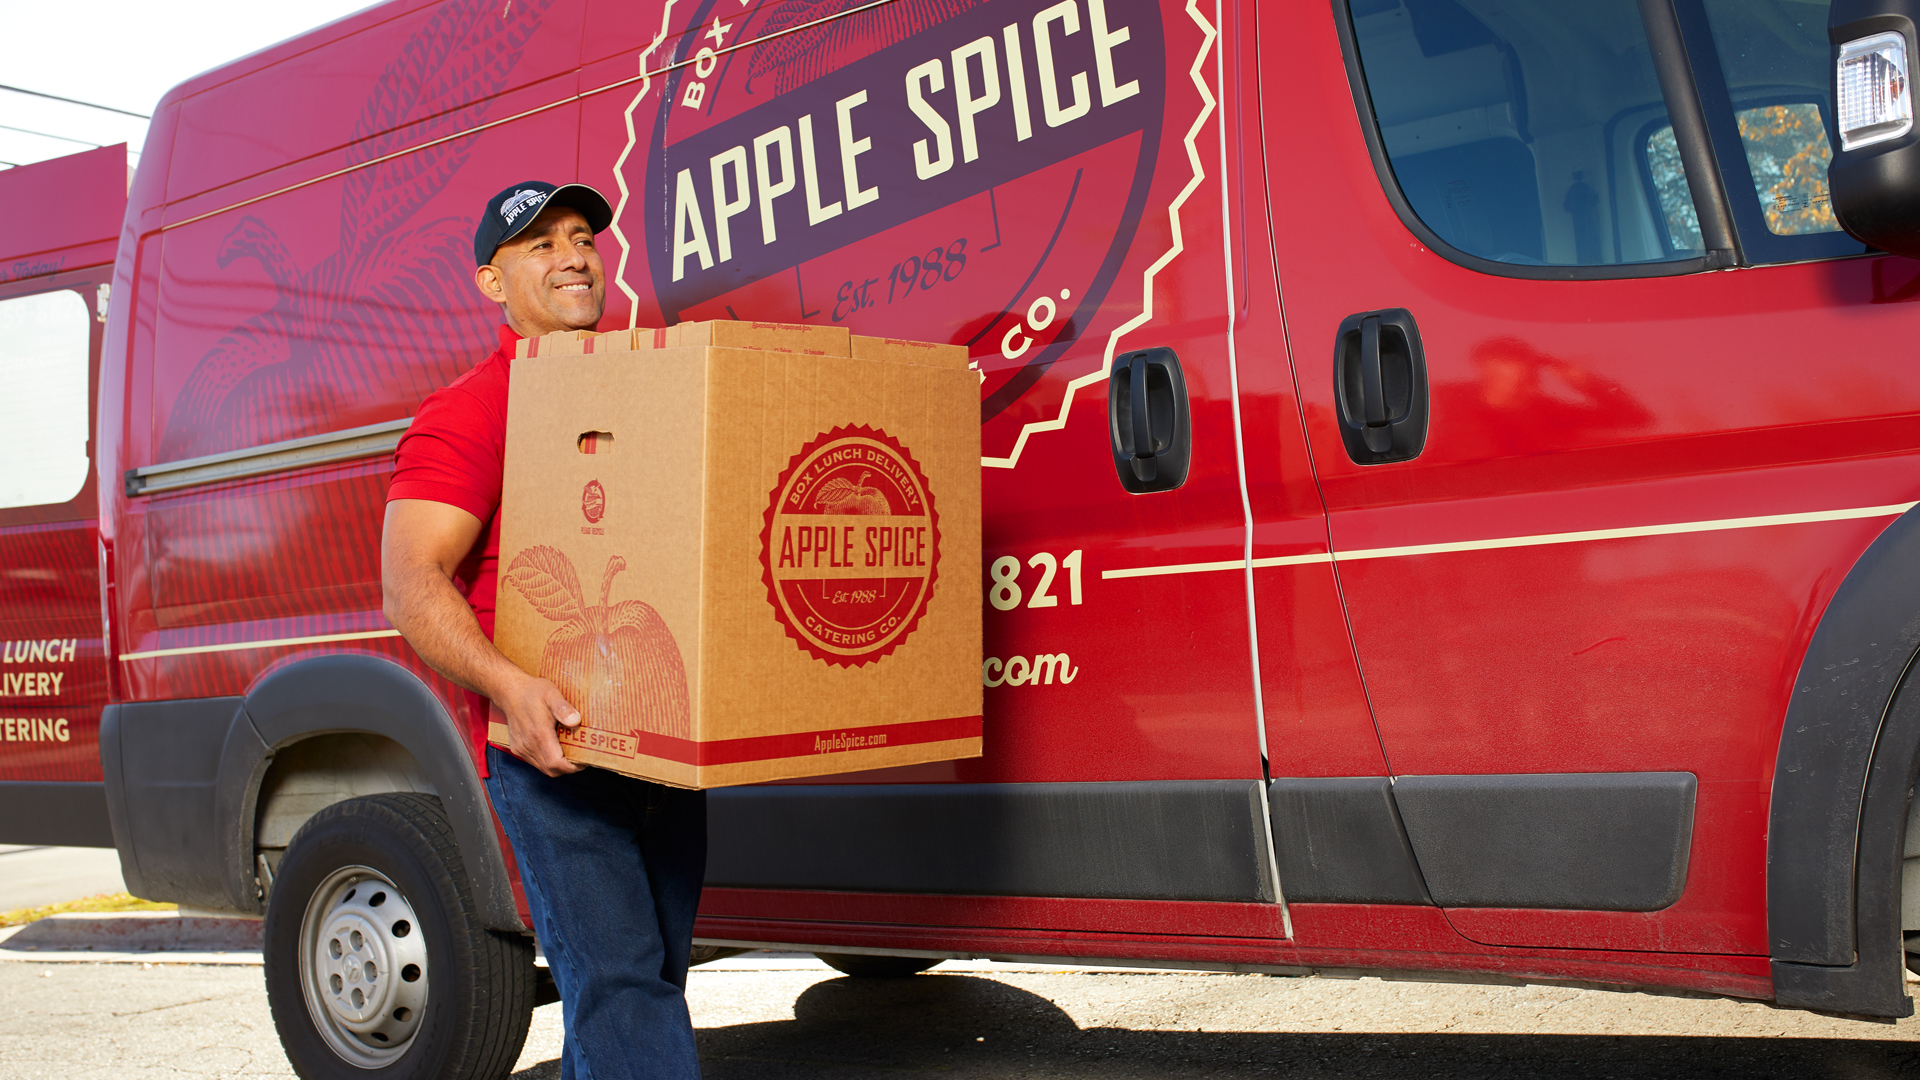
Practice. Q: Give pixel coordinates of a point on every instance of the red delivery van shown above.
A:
(56, 262)
(1448, 477)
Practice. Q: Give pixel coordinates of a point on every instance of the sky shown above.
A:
(125, 54)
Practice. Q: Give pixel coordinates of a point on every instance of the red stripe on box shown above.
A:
(800, 744)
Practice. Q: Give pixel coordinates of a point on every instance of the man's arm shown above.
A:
(421, 546)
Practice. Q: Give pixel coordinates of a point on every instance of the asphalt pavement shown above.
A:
(31, 876)
(762, 1018)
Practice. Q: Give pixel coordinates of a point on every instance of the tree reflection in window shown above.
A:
(1676, 198)
(1787, 152)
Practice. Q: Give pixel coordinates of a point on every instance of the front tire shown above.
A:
(378, 965)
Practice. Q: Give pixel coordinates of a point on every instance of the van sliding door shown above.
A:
(1017, 176)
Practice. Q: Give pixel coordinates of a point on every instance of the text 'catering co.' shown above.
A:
(967, 133)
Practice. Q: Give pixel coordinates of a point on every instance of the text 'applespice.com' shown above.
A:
(827, 744)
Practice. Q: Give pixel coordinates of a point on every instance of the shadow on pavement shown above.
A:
(869, 1028)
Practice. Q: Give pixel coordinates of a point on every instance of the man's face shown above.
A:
(549, 277)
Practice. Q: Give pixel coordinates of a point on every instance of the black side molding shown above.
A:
(1586, 841)
(162, 763)
(1873, 983)
(57, 813)
(1149, 840)
(1339, 841)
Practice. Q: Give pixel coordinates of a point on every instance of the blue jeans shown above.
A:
(612, 867)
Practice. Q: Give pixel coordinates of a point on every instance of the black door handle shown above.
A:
(1149, 421)
(1380, 386)
(1138, 406)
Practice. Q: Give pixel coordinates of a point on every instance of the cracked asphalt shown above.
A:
(763, 1019)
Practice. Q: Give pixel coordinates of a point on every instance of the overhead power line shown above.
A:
(46, 135)
(75, 101)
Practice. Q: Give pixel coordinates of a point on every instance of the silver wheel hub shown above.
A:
(363, 966)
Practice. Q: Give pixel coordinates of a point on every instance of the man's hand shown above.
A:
(421, 546)
(533, 707)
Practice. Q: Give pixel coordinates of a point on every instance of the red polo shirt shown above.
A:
(454, 453)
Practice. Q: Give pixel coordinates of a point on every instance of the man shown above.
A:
(611, 864)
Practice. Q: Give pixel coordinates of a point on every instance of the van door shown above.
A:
(55, 265)
(1034, 180)
(1594, 458)
(52, 677)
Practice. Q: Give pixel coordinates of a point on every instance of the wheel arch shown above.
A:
(1848, 754)
(333, 727)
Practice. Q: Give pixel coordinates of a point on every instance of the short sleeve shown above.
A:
(452, 454)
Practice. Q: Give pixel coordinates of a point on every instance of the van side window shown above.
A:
(1762, 67)
(44, 341)
(1526, 132)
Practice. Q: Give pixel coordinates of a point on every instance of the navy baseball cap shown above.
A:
(515, 208)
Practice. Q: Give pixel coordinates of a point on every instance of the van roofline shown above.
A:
(285, 49)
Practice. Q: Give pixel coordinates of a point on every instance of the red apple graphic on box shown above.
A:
(617, 663)
(843, 496)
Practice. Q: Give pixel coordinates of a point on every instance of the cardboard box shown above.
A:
(801, 338)
(745, 563)
(558, 343)
(897, 351)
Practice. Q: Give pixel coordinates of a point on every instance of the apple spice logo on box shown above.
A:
(923, 170)
(617, 663)
(851, 546)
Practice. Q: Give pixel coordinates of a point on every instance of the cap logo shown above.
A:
(523, 200)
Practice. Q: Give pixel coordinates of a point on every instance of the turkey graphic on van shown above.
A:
(346, 327)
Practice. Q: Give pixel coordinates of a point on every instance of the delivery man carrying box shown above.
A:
(612, 864)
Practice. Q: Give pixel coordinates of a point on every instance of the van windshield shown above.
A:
(1526, 131)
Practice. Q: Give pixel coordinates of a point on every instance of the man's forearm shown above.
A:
(431, 614)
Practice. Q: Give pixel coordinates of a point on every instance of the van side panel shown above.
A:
(1042, 183)
(277, 299)
(955, 177)
(334, 305)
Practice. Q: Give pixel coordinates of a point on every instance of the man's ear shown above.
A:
(491, 286)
